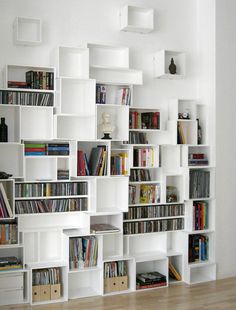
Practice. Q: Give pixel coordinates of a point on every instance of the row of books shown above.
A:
(154, 211)
(138, 175)
(97, 163)
(119, 163)
(144, 120)
(83, 252)
(26, 98)
(145, 193)
(199, 184)
(197, 159)
(40, 79)
(46, 276)
(122, 95)
(153, 226)
(151, 279)
(10, 263)
(137, 138)
(51, 205)
(42, 149)
(200, 215)
(144, 157)
(47, 189)
(198, 248)
(5, 208)
(115, 269)
(8, 232)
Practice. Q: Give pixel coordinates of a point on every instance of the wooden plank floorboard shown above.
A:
(218, 295)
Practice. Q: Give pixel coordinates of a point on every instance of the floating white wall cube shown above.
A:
(162, 60)
(27, 31)
(136, 19)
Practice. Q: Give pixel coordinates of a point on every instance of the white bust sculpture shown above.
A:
(106, 126)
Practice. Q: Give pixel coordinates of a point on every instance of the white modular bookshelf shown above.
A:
(144, 185)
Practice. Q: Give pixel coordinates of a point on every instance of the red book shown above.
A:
(80, 163)
(35, 149)
(141, 287)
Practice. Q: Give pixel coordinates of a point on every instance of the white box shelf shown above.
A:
(108, 56)
(119, 119)
(136, 19)
(12, 120)
(72, 62)
(112, 246)
(76, 96)
(162, 60)
(12, 159)
(114, 75)
(27, 31)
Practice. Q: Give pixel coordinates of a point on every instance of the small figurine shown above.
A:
(172, 67)
(4, 175)
(106, 126)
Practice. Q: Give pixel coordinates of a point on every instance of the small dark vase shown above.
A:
(3, 131)
(172, 67)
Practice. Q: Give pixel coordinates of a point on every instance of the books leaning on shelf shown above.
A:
(5, 208)
(144, 193)
(49, 149)
(119, 163)
(138, 175)
(152, 226)
(143, 157)
(10, 263)
(200, 215)
(173, 272)
(152, 279)
(197, 159)
(26, 98)
(8, 232)
(47, 189)
(199, 186)
(198, 248)
(103, 228)
(137, 138)
(144, 120)
(83, 252)
(139, 212)
(97, 164)
(51, 205)
(181, 138)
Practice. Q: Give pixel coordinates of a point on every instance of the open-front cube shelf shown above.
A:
(7, 206)
(27, 31)
(119, 118)
(72, 62)
(12, 159)
(162, 61)
(108, 56)
(12, 120)
(136, 19)
(76, 96)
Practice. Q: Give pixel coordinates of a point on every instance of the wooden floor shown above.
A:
(213, 295)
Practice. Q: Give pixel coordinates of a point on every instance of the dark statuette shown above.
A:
(172, 67)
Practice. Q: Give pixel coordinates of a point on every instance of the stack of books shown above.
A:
(197, 159)
(63, 174)
(35, 149)
(61, 149)
(198, 248)
(152, 279)
(9, 263)
(83, 252)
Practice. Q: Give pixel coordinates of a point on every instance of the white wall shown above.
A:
(73, 22)
(225, 135)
